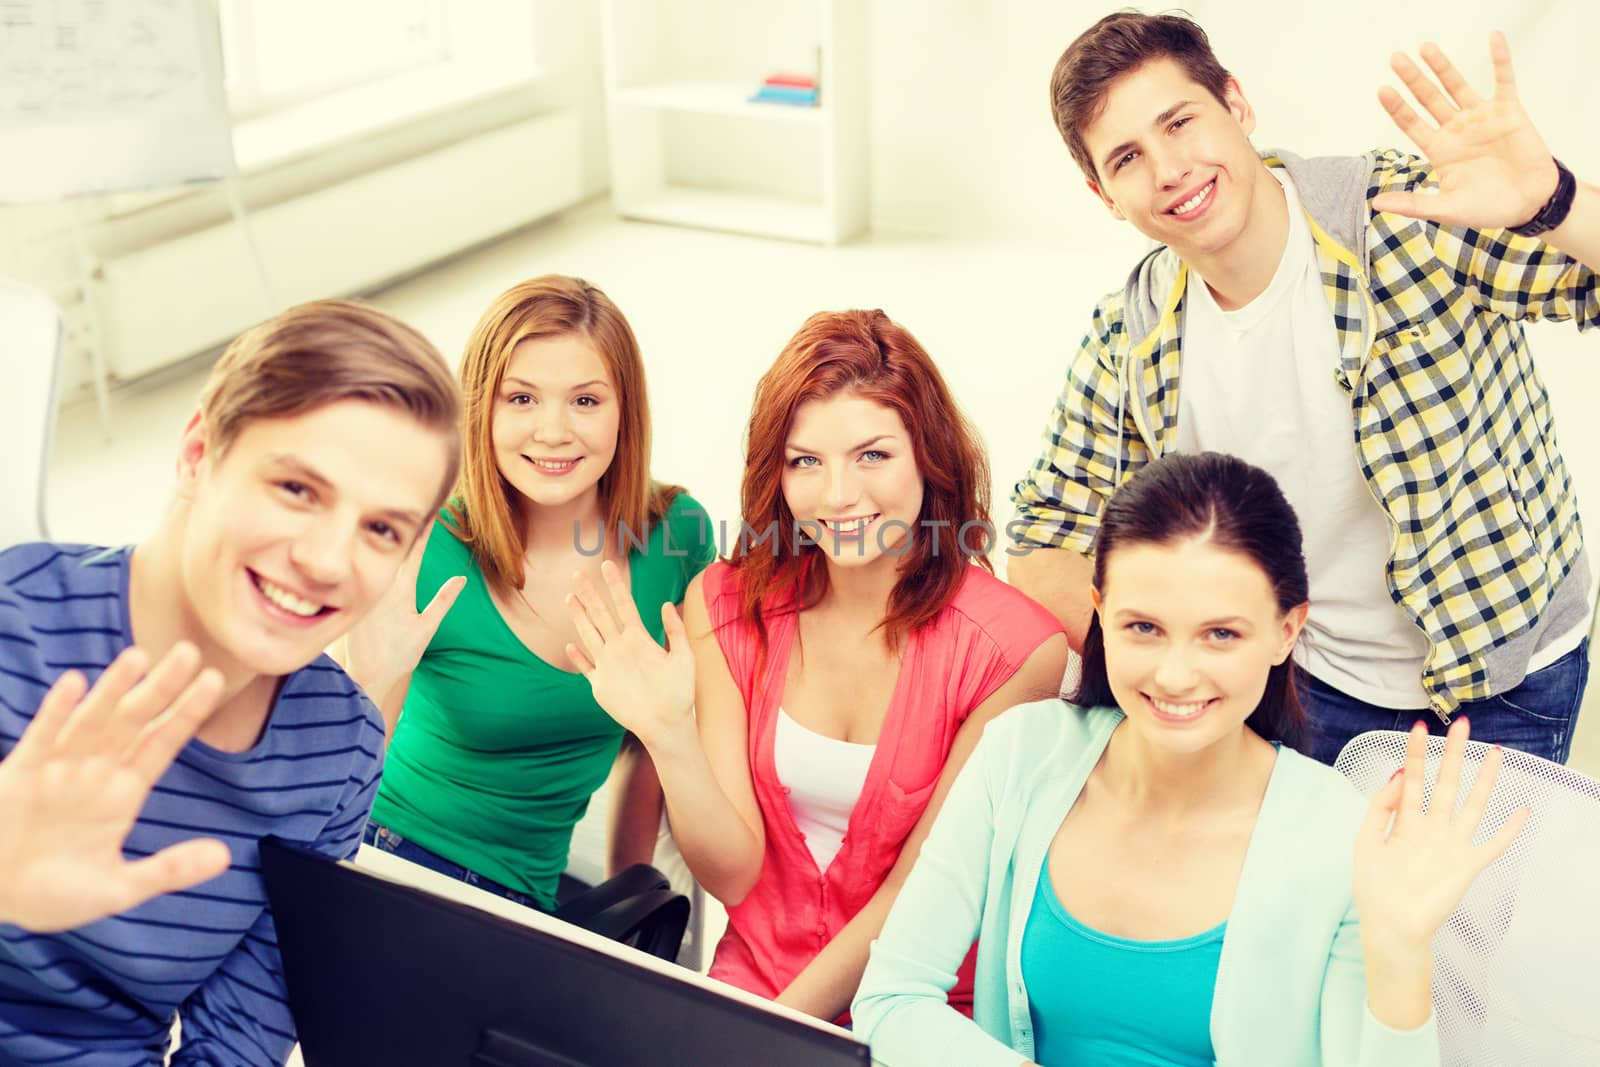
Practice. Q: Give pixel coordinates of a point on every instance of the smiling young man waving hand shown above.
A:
(323, 444)
(1352, 325)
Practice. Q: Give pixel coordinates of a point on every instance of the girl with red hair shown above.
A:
(828, 679)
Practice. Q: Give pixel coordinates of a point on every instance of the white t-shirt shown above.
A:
(823, 777)
(1259, 383)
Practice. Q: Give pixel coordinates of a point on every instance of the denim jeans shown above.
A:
(382, 837)
(1537, 716)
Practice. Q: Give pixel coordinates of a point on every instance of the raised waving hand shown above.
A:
(72, 788)
(1493, 167)
(388, 643)
(646, 688)
(1413, 865)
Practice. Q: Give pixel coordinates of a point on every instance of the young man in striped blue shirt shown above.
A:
(324, 442)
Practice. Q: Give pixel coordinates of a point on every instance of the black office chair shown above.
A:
(636, 907)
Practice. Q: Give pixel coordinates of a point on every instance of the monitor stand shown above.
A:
(498, 1049)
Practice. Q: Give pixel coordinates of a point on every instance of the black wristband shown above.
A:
(1555, 210)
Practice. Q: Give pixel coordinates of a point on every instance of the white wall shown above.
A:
(39, 243)
(963, 139)
(963, 145)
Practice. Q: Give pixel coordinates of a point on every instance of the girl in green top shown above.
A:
(498, 748)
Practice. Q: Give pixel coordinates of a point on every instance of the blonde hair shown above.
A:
(553, 305)
(324, 352)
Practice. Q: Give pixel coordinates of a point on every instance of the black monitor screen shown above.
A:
(387, 974)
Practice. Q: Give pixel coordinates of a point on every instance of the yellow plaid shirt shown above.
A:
(1452, 423)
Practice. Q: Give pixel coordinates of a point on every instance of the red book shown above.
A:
(797, 81)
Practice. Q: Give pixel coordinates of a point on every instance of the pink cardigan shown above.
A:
(951, 665)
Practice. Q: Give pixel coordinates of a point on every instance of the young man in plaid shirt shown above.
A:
(1352, 325)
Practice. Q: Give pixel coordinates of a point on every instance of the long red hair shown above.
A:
(865, 353)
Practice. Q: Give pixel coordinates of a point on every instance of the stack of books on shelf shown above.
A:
(796, 90)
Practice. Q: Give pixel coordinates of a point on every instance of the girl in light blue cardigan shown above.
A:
(1154, 877)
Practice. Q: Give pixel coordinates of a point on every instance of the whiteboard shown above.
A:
(110, 95)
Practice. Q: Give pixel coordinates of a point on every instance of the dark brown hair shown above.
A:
(1225, 501)
(1119, 44)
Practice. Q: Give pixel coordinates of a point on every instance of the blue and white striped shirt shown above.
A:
(105, 993)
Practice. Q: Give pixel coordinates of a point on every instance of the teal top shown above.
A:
(1291, 989)
(497, 751)
(1111, 1001)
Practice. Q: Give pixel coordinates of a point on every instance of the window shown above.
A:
(302, 75)
(280, 53)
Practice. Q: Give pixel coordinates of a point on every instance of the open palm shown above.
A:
(1414, 863)
(72, 788)
(1492, 166)
(388, 642)
(643, 686)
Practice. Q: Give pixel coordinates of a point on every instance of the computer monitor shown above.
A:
(390, 974)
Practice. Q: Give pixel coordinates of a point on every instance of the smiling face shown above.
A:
(293, 531)
(849, 469)
(1191, 631)
(1177, 163)
(555, 420)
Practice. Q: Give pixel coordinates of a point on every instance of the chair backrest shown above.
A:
(637, 907)
(31, 341)
(1517, 966)
(586, 864)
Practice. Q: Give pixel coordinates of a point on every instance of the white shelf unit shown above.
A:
(688, 146)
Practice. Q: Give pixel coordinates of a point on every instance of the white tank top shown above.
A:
(823, 778)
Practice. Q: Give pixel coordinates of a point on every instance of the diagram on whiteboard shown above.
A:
(105, 95)
(77, 58)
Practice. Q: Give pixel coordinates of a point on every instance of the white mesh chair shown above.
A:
(31, 338)
(1517, 966)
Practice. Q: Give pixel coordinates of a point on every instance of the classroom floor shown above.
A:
(711, 311)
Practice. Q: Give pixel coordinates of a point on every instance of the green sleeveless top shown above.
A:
(497, 751)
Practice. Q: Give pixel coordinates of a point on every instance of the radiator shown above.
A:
(189, 294)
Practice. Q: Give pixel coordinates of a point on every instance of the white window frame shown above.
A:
(247, 100)
(490, 49)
